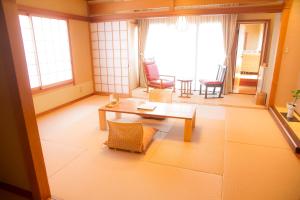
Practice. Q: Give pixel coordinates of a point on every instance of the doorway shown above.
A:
(251, 40)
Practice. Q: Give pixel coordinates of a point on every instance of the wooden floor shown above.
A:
(245, 90)
(236, 153)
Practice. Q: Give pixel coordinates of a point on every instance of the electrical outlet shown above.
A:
(286, 50)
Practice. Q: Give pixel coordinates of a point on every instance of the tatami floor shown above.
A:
(235, 154)
(232, 100)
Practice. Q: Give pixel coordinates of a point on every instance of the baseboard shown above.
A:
(287, 132)
(63, 105)
(107, 94)
(16, 190)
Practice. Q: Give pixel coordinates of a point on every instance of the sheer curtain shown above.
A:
(190, 51)
(173, 49)
(143, 29)
(229, 28)
(210, 47)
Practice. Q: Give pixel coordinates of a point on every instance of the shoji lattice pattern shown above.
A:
(110, 56)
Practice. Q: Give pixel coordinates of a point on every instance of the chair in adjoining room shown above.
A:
(154, 79)
(129, 136)
(160, 95)
(218, 83)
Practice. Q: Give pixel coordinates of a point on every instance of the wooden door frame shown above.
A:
(265, 42)
(14, 66)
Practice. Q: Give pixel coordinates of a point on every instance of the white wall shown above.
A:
(54, 98)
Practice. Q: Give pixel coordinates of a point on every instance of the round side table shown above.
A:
(185, 87)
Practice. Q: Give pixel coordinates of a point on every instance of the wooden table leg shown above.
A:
(102, 120)
(194, 119)
(181, 88)
(186, 89)
(191, 88)
(118, 115)
(188, 128)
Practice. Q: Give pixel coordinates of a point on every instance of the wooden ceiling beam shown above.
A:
(203, 11)
(219, 2)
(115, 7)
(119, 7)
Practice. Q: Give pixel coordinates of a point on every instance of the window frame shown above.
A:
(59, 84)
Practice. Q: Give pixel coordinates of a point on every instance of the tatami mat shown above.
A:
(260, 173)
(204, 153)
(94, 176)
(233, 100)
(236, 153)
(58, 156)
(251, 126)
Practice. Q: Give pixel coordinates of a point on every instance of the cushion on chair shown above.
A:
(165, 84)
(151, 71)
(206, 82)
(161, 95)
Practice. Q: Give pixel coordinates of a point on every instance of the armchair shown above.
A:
(155, 80)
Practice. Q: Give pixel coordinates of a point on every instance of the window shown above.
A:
(193, 52)
(174, 51)
(47, 51)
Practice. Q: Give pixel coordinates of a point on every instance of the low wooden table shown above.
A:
(163, 110)
(185, 87)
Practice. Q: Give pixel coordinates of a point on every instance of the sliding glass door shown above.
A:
(172, 49)
(210, 50)
(193, 52)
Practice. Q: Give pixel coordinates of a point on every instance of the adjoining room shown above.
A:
(146, 99)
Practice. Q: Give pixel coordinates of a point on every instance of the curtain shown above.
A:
(172, 48)
(229, 26)
(143, 27)
(192, 49)
(210, 47)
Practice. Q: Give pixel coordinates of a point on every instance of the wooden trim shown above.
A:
(248, 82)
(52, 86)
(63, 105)
(211, 2)
(50, 13)
(253, 21)
(264, 50)
(71, 53)
(42, 88)
(202, 11)
(287, 132)
(16, 190)
(265, 43)
(266, 35)
(13, 64)
(91, 56)
(280, 50)
(115, 7)
(107, 94)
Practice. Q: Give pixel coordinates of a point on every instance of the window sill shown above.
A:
(52, 87)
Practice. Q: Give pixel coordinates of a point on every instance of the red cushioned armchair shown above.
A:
(155, 80)
(219, 82)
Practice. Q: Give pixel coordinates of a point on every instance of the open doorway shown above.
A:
(251, 42)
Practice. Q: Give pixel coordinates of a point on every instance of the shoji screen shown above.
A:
(110, 56)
